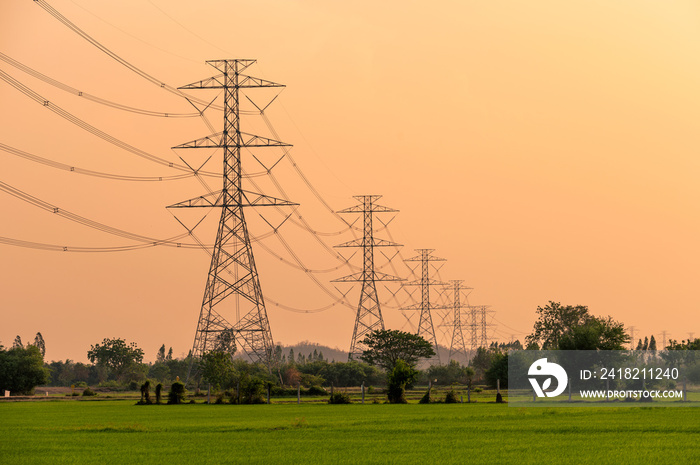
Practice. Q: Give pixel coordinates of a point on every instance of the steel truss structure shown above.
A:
(478, 326)
(233, 310)
(457, 343)
(425, 324)
(369, 312)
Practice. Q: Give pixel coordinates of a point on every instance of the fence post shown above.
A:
(363, 392)
(685, 391)
(269, 388)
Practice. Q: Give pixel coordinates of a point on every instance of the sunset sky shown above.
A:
(546, 149)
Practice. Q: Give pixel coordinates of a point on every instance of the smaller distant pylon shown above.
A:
(369, 313)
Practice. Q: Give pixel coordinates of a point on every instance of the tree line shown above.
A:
(391, 360)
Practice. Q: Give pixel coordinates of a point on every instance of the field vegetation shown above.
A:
(120, 432)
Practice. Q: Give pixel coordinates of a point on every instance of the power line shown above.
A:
(91, 129)
(65, 21)
(132, 35)
(78, 93)
(98, 174)
(21, 195)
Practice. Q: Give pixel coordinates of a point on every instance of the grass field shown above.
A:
(120, 432)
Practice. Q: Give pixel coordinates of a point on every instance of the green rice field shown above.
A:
(117, 431)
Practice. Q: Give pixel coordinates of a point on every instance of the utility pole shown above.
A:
(233, 310)
(425, 324)
(457, 343)
(369, 312)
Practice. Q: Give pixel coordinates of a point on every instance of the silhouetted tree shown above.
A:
(22, 369)
(385, 347)
(40, 344)
(652, 343)
(116, 355)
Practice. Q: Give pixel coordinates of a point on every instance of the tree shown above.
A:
(639, 345)
(116, 355)
(225, 341)
(387, 347)
(217, 368)
(40, 344)
(170, 354)
(652, 343)
(160, 356)
(451, 373)
(482, 361)
(17, 343)
(595, 334)
(401, 375)
(646, 343)
(22, 369)
(553, 321)
(498, 370)
(573, 328)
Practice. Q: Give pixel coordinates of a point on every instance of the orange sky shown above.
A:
(547, 149)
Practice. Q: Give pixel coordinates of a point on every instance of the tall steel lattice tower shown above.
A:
(233, 310)
(369, 312)
(457, 343)
(425, 324)
(478, 327)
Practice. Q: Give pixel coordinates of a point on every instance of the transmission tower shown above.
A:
(478, 327)
(369, 312)
(457, 343)
(425, 324)
(233, 309)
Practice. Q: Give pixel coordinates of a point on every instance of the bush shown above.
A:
(427, 397)
(339, 398)
(133, 386)
(88, 392)
(111, 385)
(451, 397)
(286, 392)
(400, 376)
(146, 392)
(159, 389)
(316, 391)
(177, 393)
(81, 384)
(252, 390)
